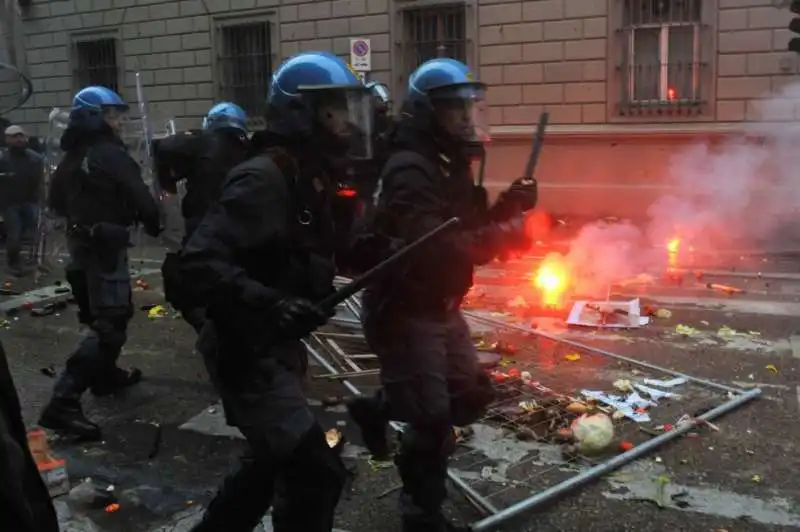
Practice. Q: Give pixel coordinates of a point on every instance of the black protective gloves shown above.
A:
(480, 201)
(297, 317)
(520, 197)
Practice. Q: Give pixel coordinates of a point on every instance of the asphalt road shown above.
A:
(740, 478)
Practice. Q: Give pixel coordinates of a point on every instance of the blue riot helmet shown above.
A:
(103, 101)
(317, 96)
(226, 115)
(456, 101)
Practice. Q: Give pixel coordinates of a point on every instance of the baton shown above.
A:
(536, 148)
(350, 289)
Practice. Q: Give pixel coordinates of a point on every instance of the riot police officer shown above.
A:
(262, 254)
(98, 188)
(202, 161)
(412, 319)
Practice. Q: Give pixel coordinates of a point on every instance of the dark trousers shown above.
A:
(101, 283)
(20, 223)
(290, 466)
(24, 501)
(431, 381)
(178, 295)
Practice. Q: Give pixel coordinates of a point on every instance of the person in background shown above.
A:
(21, 174)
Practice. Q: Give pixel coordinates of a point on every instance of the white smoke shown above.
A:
(742, 192)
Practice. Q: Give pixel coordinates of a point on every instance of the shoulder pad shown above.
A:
(408, 159)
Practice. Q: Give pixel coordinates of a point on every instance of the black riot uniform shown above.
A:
(412, 320)
(262, 254)
(24, 500)
(99, 189)
(202, 160)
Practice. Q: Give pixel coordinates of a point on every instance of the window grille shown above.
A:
(245, 65)
(97, 63)
(433, 32)
(661, 64)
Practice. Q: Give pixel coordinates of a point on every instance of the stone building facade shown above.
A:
(626, 82)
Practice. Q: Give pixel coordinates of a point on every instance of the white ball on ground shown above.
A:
(593, 433)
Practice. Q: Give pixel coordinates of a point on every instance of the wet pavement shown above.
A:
(166, 445)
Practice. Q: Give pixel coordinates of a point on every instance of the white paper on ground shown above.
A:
(616, 403)
(654, 393)
(666, 384)
(582, 316)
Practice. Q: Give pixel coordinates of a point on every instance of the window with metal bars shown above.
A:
(430, 32)
(245, 65)
(96, 63)
(661, 64)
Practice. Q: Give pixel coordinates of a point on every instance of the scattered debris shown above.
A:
(93, 494)
(727, 289)
(52, 470)
(157, 311)
(607, 314)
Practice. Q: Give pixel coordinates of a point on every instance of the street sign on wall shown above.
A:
(361, 55)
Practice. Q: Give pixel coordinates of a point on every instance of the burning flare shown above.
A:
(673, 247)
(552, 279)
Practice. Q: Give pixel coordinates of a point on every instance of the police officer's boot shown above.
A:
(241, 502)
(369, 414)
(423, 470)
(64, 414)
(118, 380)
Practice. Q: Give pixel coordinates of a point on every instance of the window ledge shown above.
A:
(626, 131)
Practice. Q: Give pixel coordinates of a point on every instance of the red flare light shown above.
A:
(346, 192)
(552, 281)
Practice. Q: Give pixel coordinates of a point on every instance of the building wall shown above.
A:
(562, 55)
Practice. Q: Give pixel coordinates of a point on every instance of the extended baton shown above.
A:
(536, 148)
(360, 282)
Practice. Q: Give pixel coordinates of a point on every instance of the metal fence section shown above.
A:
(516, 458)
(661, 61)
(96, 62)
(245, 64)
(432, 32)
(15, 87)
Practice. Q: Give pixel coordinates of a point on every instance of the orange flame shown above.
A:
(673, 248)
(552, 280)
(672, 94)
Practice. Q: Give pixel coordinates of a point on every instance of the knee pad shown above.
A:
(436, 442)
(469, 404)
(111, 330)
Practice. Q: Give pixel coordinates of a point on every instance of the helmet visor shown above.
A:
(461, 112)
(346, 116)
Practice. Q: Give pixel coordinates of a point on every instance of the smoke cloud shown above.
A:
(743, 192)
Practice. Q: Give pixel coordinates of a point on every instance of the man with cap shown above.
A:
(21, 171)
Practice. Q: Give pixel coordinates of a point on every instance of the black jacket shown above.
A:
(269, 236)
(21, 175)
(24, 500)
(421, 186)
(98, 181)
(202, 160)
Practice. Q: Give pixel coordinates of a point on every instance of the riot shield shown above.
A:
(49, 244)
(140, 134)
